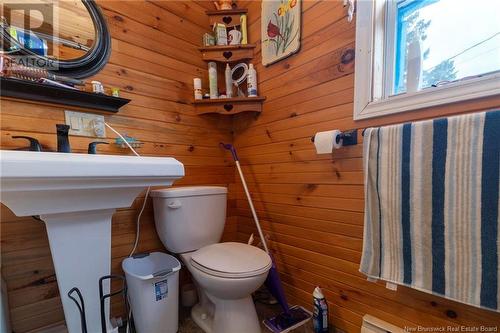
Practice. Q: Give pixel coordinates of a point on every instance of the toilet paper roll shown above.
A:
(326, 141)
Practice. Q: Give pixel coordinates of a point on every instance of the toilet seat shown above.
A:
(231, 260)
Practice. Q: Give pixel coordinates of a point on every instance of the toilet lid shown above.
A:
(231, 260)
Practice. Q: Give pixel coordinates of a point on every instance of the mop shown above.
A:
(291, 317)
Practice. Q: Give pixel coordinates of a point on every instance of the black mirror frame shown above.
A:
(92, 62)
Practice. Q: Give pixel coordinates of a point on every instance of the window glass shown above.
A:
(441, 41)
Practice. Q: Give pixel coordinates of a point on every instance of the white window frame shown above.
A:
(371, 81)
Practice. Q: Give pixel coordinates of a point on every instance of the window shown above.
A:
(412, 54)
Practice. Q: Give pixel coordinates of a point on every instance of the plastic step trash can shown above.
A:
(153, 291)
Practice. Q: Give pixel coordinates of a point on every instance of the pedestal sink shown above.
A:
(76, 196)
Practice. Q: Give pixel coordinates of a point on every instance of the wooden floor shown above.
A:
(187, 325)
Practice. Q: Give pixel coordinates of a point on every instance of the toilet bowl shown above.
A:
(227, 273)
(190, 222)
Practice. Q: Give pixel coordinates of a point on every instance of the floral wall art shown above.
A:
(281, 22)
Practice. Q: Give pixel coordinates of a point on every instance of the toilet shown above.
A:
(190, 222)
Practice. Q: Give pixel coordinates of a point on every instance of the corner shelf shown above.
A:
(227, 12)
(228, 17)
(227, 53)
(21, 89)
(229, 106)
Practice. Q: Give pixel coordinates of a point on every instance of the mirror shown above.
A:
(66, 37)
(69, 37)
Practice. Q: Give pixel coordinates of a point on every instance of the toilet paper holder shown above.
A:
(349, 138)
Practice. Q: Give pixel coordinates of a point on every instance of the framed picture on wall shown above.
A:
(281, 24)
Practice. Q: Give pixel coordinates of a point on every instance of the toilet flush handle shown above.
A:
(174, 204)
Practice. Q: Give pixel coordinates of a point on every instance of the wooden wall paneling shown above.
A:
(311, 206)
(135, 32)
(207, 5)
(154, 59)
(349, 284)
(296, 192)
(191, 11)
(159, 18)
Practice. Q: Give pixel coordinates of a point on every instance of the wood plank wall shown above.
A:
(312, 206)
(153, 61)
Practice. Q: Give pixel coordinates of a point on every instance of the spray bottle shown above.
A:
(252, 81)
(320, 312)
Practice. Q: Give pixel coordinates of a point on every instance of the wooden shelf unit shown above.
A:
(227, 53)
(229, 106)
(227, 17)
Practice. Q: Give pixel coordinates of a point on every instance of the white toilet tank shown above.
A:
(189, 218)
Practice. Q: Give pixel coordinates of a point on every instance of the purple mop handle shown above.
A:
(231, 148)
(273, 281)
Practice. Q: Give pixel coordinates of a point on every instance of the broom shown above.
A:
(291, 317)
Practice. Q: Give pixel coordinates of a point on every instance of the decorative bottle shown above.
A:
(252, 81)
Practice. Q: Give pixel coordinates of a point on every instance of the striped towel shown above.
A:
(432, 207)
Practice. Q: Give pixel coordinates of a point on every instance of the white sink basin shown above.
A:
(76, 196)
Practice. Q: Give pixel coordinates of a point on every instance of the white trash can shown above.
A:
(153, 291)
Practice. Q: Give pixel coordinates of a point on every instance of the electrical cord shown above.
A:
(138, 221)
(138, 224)
(121, 137)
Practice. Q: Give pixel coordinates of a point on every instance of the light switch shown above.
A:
(74, 123)
(85, 124)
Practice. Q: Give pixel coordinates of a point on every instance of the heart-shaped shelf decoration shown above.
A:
(227, 54)
(227, 19)
(228, 107)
